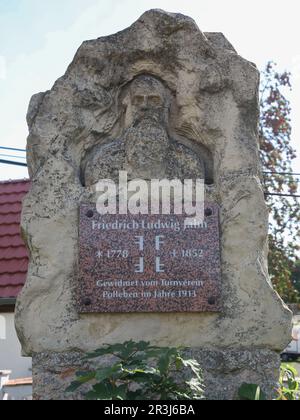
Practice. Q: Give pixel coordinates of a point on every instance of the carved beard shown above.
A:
(147, 146)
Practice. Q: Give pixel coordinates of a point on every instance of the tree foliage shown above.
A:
(277, 156)
(296, 276)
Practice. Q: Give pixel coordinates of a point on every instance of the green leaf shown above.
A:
(142, 345)
(153, 353)
(290, 369)
(179, 363)
(101, 391)
(126, 350)
(194, 366)
(195, 385)
(293, 385)
(98, 353)
(251, 392)
(84, 377)
(92, 395)
(145, 371)
(74, 386)
(138, 395)
(109, 372)
(166, 360)
(121, 392)
(258, 394)
(129, 348)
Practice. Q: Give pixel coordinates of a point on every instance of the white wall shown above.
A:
(10, 349)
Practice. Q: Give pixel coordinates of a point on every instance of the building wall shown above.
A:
(10, 349)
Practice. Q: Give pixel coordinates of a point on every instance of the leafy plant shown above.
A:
(139, 371)
(289, 386)
(289, 389)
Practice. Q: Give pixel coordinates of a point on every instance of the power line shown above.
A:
(10, 148)
(14, 157)
(283, 195)
(296, 180)
(282, 173)
(9, 162)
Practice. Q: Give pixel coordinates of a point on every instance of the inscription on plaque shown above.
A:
(148, 263)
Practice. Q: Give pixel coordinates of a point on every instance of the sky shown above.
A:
(38, 40)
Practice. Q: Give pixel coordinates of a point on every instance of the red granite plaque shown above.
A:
(148, 263)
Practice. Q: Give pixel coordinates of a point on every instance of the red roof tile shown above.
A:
(13, 241)
(10, 219)
(10, 208)
(14, 265)
(18, 252)
(13, 254)
(12, 279)
(18, 382)
(8, 230)
(10, 292)
(11, 198)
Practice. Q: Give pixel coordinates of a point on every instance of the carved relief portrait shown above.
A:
(145, 149)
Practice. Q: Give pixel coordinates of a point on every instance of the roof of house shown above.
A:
(18, 382)
(13, 253)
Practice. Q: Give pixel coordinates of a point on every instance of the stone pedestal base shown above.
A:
(224, 372)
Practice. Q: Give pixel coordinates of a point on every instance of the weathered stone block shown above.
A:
(160, 99)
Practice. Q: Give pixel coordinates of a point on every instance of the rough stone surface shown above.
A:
(194, 101)
(223, 372)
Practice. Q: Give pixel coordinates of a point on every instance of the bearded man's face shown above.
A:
(146, 140)
(148, 100)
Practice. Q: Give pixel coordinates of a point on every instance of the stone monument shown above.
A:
(159, 100)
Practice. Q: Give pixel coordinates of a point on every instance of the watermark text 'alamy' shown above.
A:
(154, 197)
